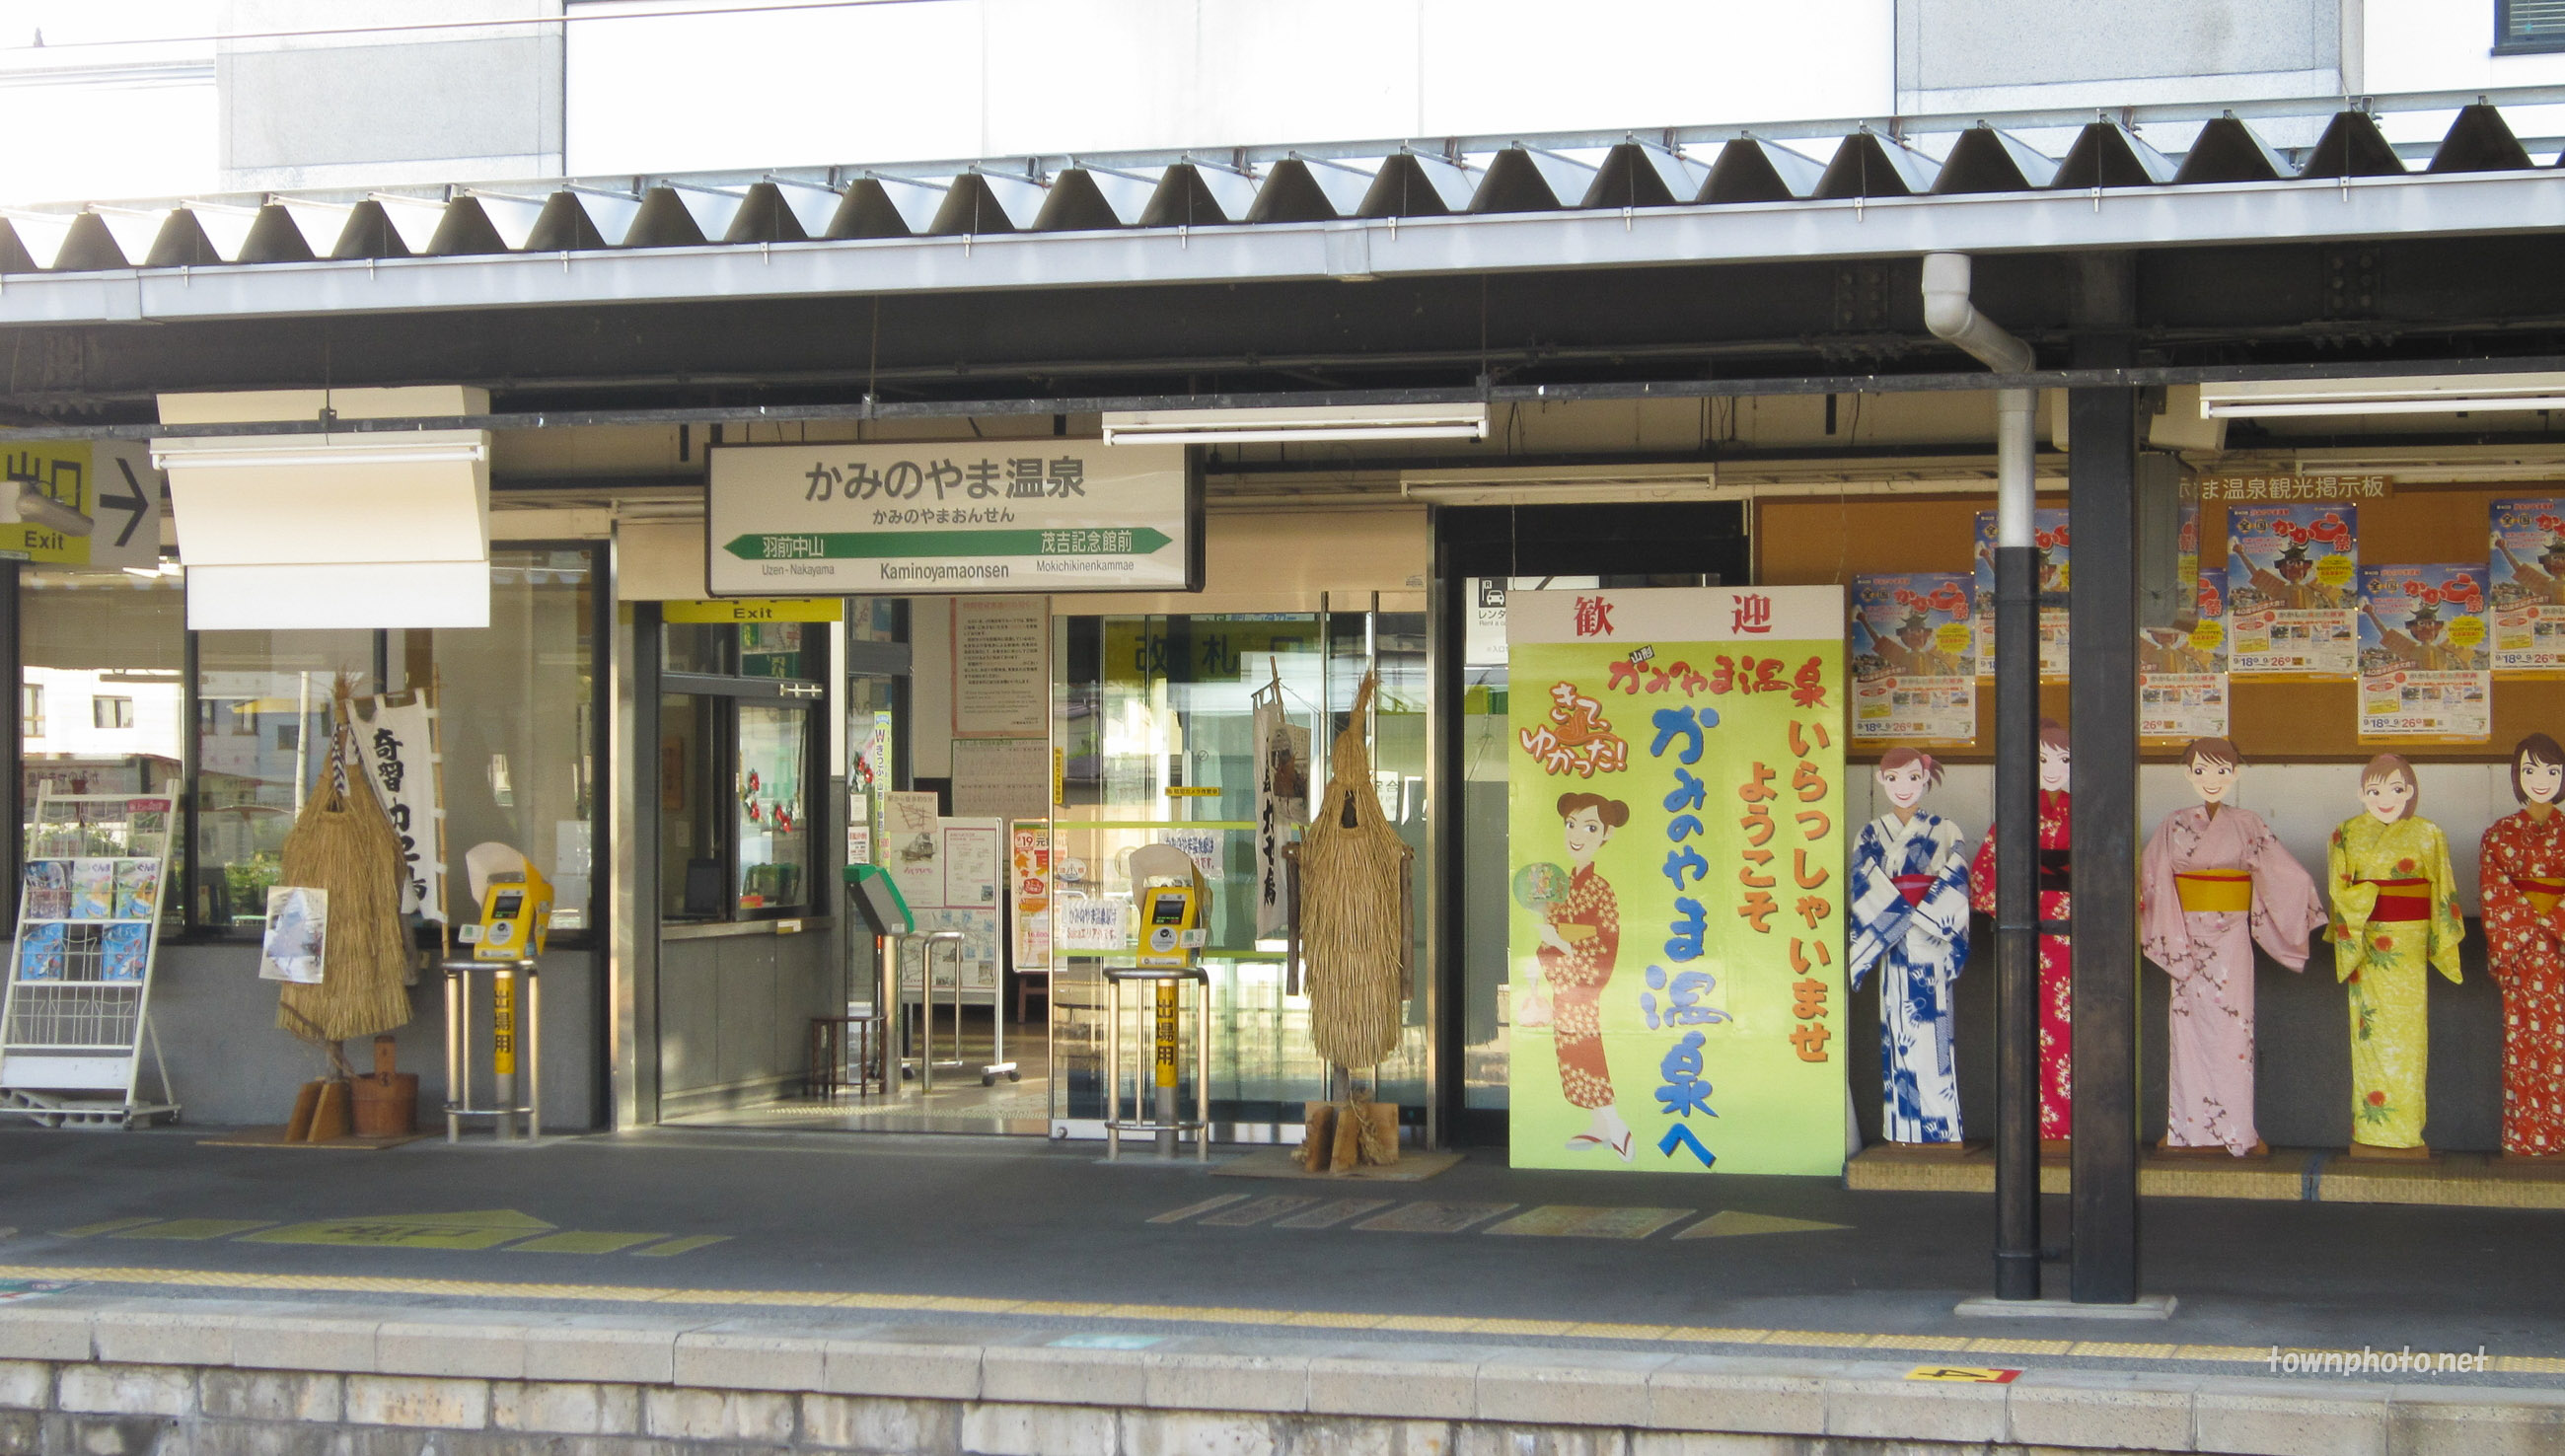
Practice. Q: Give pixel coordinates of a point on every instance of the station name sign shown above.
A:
(977, 516)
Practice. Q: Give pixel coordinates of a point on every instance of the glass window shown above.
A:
(103, 637)
(517, 723)
(262, 736)
(734, 766)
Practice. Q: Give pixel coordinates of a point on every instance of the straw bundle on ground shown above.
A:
(343, 843)
(1353, 930)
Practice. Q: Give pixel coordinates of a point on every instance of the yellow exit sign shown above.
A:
(754, 608)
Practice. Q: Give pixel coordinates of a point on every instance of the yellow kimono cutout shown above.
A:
(2394, 913)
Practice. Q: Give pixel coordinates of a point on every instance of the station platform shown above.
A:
(1059, 1304)
(2284, 1176)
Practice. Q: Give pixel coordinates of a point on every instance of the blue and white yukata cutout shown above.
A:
(1921, 945)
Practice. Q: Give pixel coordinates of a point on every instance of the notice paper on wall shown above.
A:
(912, 844)
(1001, 666)
(1005, 778)
(974, 851)
(1914, 652)
(2426, 672)
(2182, 676)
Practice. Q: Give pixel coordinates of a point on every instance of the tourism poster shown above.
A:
(2426, 672)
(2182, 676)
(2293, 594)
(2525, 596)
(1676, 771)
(1914, 653)
(2048, 538)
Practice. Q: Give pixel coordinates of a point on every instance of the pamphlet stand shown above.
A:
(1115, 1125)
(527, 1019)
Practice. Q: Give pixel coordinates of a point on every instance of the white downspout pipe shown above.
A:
(1952, 316)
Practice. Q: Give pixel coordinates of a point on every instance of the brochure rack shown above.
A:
(77, 1014)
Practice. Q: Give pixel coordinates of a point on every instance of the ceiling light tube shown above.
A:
(2412, 395)
(170, 454)
(1283, 426)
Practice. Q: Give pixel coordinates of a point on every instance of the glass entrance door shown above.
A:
(1485, 555)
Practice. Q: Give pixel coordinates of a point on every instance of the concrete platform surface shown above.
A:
(1002, 1244)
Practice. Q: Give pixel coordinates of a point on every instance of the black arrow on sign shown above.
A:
(136, 503)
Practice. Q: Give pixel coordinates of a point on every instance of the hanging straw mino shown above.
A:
(344, 843)
(1350, 862)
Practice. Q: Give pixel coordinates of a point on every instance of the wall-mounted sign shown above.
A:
(754, 608)
(980, 516)
(2219, 489)
(108, 481)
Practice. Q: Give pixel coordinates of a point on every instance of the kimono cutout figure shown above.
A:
(1909, 917)
(2057, 946)
(1580, 939)
(2214, 882)
(2523, 877)
(2395, 920)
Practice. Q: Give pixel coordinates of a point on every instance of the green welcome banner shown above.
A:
(1677, 828)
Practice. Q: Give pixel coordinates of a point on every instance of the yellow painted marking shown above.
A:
(194, 1228)
(90, 1230)
(388, 1233)
(1732, 1223)
(1576, 1221)
(583, 1243)
(685, 1245)
(1964, 1374)
(1428, 1324)
(1179, 1215)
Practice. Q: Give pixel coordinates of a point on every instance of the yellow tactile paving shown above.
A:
(1193, 1313)
(582, 1243)
(686, 1245)
(112, 1225)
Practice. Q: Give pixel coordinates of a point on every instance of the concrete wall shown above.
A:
(231, 1066)
(383, 107)
(1958, 55)
(735, 1016)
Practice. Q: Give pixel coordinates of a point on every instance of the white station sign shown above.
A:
(977, 516)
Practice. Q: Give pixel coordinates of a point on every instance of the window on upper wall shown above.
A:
(31, 711)
(2524, 26)
(110, 712)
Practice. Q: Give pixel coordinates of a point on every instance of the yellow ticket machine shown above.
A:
(1174, 905)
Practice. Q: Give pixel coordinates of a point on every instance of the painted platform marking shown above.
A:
(1965, 1374)
(193, 1228)
(583, 1243)
(685, 1245)
(1179, 1215)
(1434, 1218)
(1331, 1213)
(1570, 1221)
(467, 1230)
(1734, 1223)
(108, 1226)
(1249, 1214)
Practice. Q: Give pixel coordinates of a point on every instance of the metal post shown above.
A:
(533, 1054)
(457, 1057)
(503, 1053)
(13, 775)
(1164, 1059)
(2102, 696)
(1202, 1070)
(1112, 1068)
(2017, 859)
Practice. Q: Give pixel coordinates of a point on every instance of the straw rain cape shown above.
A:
(1355, 937)
(343, 843)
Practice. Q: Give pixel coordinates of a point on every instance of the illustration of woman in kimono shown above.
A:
(2214, 882)
(1580, 937)
(1909, 917)
(2395, 920)
(2057, 946)
(2523, 878)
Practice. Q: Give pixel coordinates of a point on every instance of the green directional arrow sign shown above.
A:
(878, 545)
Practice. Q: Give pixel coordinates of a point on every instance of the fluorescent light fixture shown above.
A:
(1561, 485)
(264, 454)
(2413, 394)
(1283, 426)
(2437, 465)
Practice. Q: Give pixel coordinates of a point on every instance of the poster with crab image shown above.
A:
(1913, 658)
(2048, 539)
(2293, 590)
(2525, 590)
(2425, 669)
